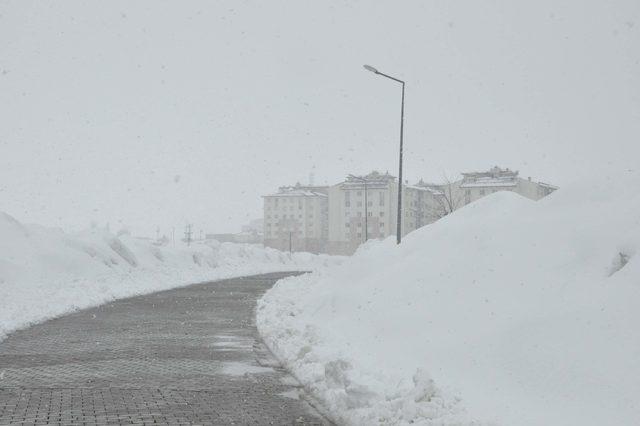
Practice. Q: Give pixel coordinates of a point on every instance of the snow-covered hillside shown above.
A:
(45, 272)
(508, 312)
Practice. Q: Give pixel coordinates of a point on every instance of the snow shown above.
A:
(45, 273)
(506, 312)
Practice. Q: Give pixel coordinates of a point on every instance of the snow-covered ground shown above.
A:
(45, 272)
(507, 312)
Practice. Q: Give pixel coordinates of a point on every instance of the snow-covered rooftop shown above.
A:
(373, 179)
(490, 182)
(495, 177)
(299, 191)
(429, 189)
(548, 185)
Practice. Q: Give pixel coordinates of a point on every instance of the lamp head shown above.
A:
(370, 68)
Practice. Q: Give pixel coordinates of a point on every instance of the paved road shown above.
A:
(185, 356)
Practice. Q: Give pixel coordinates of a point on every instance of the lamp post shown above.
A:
(399, 228)
(366, 206)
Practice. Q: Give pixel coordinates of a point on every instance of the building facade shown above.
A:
(421, 205)
(295, 219)
(352, 219)
(475, 185)
(365, 207)
(337, 219)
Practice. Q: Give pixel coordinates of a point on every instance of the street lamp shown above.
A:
(366, 206)
(399, 229)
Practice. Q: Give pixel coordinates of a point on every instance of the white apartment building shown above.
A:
(365, 207)
(475, 185)
(295, 218)
(338, 219)
(421, 205)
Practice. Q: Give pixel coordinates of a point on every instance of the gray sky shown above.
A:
(154, 113)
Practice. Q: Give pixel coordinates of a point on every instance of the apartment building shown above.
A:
(337, 219)
(365, 207)
(348, 209)
(421, 204)
(295, 219)
(475, 185)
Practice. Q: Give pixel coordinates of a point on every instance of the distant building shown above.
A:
(255, 226)
(295, 218)
(337, 219)
(347, 210)
(251, 233)
(421, 204)
(222, 238)
(475, 185)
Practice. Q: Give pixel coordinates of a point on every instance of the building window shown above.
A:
(370, 203)
(370, 214)
(381, 214)
(381, 224)
(347, 203)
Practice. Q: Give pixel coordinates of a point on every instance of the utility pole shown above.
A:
(187, 234)
(399, 228)
(290, 238)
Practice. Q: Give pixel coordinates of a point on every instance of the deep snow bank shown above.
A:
(507, 312)
(45, 272)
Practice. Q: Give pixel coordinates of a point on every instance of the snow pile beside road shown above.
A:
(45, 272)
(507, 312)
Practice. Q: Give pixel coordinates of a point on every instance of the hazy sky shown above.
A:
(155, 113)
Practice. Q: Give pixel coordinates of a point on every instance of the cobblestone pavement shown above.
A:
(185, 356)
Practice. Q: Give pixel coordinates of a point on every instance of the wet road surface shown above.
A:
(190, 355)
